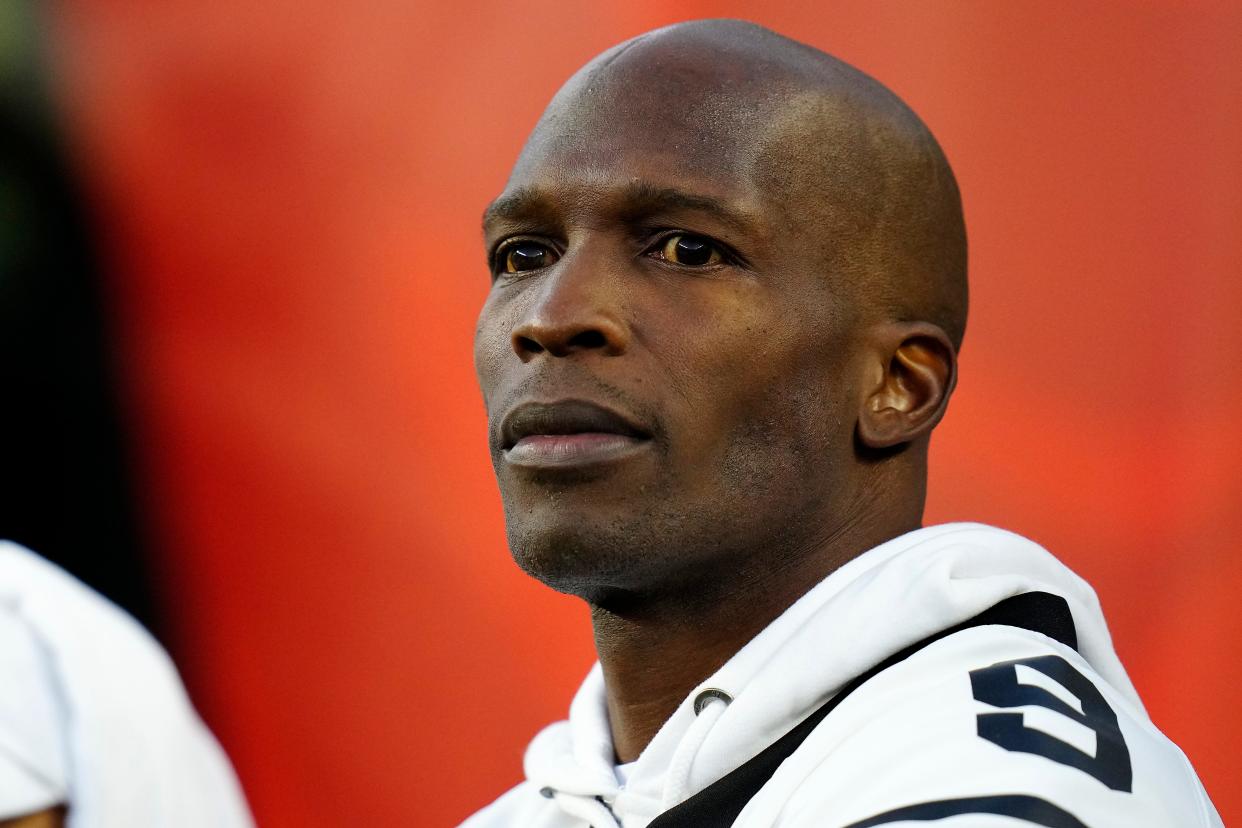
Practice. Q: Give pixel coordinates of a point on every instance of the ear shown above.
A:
(912, 373)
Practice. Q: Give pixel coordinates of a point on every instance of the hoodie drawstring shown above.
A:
(590, 808)
(709, 705)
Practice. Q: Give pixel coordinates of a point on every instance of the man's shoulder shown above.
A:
(990, 721)
(84, 639)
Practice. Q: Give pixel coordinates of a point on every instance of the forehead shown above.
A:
(616, 142)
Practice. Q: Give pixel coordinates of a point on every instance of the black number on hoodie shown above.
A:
(998, 686)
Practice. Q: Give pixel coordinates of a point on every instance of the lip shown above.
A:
(567, 434)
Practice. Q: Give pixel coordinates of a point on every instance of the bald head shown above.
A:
(831, 152)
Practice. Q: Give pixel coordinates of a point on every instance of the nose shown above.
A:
(576, 310)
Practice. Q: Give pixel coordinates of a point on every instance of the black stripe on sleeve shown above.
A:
(1030, 809)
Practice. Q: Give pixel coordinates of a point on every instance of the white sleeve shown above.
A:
(992, 727)
(132, 752)
(33, 772)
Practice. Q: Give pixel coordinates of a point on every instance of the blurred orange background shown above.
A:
(290, 196)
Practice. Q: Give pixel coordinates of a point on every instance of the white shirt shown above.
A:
(910, 738)
(94, 716)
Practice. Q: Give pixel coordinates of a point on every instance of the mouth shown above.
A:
(568, 434)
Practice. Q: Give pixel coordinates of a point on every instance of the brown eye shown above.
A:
(524, 256)
(693, 251)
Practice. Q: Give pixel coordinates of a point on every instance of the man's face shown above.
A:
(666, 369)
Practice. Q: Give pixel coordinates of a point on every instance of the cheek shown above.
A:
(491, 343)
(772, 386)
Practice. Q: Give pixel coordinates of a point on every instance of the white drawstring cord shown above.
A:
(709, 706)
(595, 812)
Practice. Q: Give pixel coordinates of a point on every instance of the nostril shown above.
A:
(589, 338)
(530, 346)
(564, 340)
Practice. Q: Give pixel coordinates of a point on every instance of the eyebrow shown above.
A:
(642, 199)
(526, 202)
(639, 200)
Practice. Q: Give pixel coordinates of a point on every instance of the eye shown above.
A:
(692, 251)
(521, 256)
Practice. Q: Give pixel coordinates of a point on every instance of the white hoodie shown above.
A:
(908, 738)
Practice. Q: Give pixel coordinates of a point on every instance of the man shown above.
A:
(729, 287)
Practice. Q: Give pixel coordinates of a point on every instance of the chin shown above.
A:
(612, 563)
(570, 559)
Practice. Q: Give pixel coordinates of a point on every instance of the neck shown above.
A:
(654, 650)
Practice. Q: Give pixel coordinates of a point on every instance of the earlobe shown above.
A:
(917, 368)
